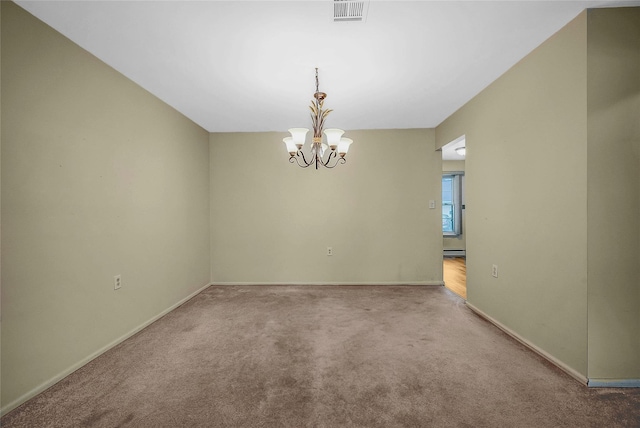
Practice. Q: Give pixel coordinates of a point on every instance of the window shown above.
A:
(452, 204)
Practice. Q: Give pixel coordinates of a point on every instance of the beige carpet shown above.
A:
(324, 356)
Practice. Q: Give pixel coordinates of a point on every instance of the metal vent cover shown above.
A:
(350, 10)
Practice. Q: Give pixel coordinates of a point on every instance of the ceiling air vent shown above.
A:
(349, 10)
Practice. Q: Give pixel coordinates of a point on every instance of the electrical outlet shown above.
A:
(329, 251)
(494, 271)
(432, 204)
(117, 282)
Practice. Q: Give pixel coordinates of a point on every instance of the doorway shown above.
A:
(453, 216)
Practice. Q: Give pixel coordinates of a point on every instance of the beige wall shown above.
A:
(458, 242)
(526, 193)
(613, 91)
(0, 205)
(271, 221)
(448, 166)
(99, 178)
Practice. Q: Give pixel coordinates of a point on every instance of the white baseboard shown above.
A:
(329, 283)
(562, 366)
(613, 383)
(49, 383)
(454, 253)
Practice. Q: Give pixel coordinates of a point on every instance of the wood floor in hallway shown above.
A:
(455, 275)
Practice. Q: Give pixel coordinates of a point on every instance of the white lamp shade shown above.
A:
(333, 137)
(291, 146)
(343, 146)
(299, 136)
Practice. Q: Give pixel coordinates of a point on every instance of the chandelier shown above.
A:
(336, 146)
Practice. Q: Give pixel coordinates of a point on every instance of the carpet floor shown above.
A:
(323, 356)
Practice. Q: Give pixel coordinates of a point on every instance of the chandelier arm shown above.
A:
(338, 161)
(296, 160)
(304, 159)
(328, 161)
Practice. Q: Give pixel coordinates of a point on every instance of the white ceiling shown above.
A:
(249, 65)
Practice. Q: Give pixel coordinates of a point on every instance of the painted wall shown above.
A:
(458, 242)
(99, 178)
(0, 202)
(271, 221)
(452, 165)
(526, 176)
(613, 91)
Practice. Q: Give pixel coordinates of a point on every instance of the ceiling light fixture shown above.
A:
(335, 142)
(461, 151)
